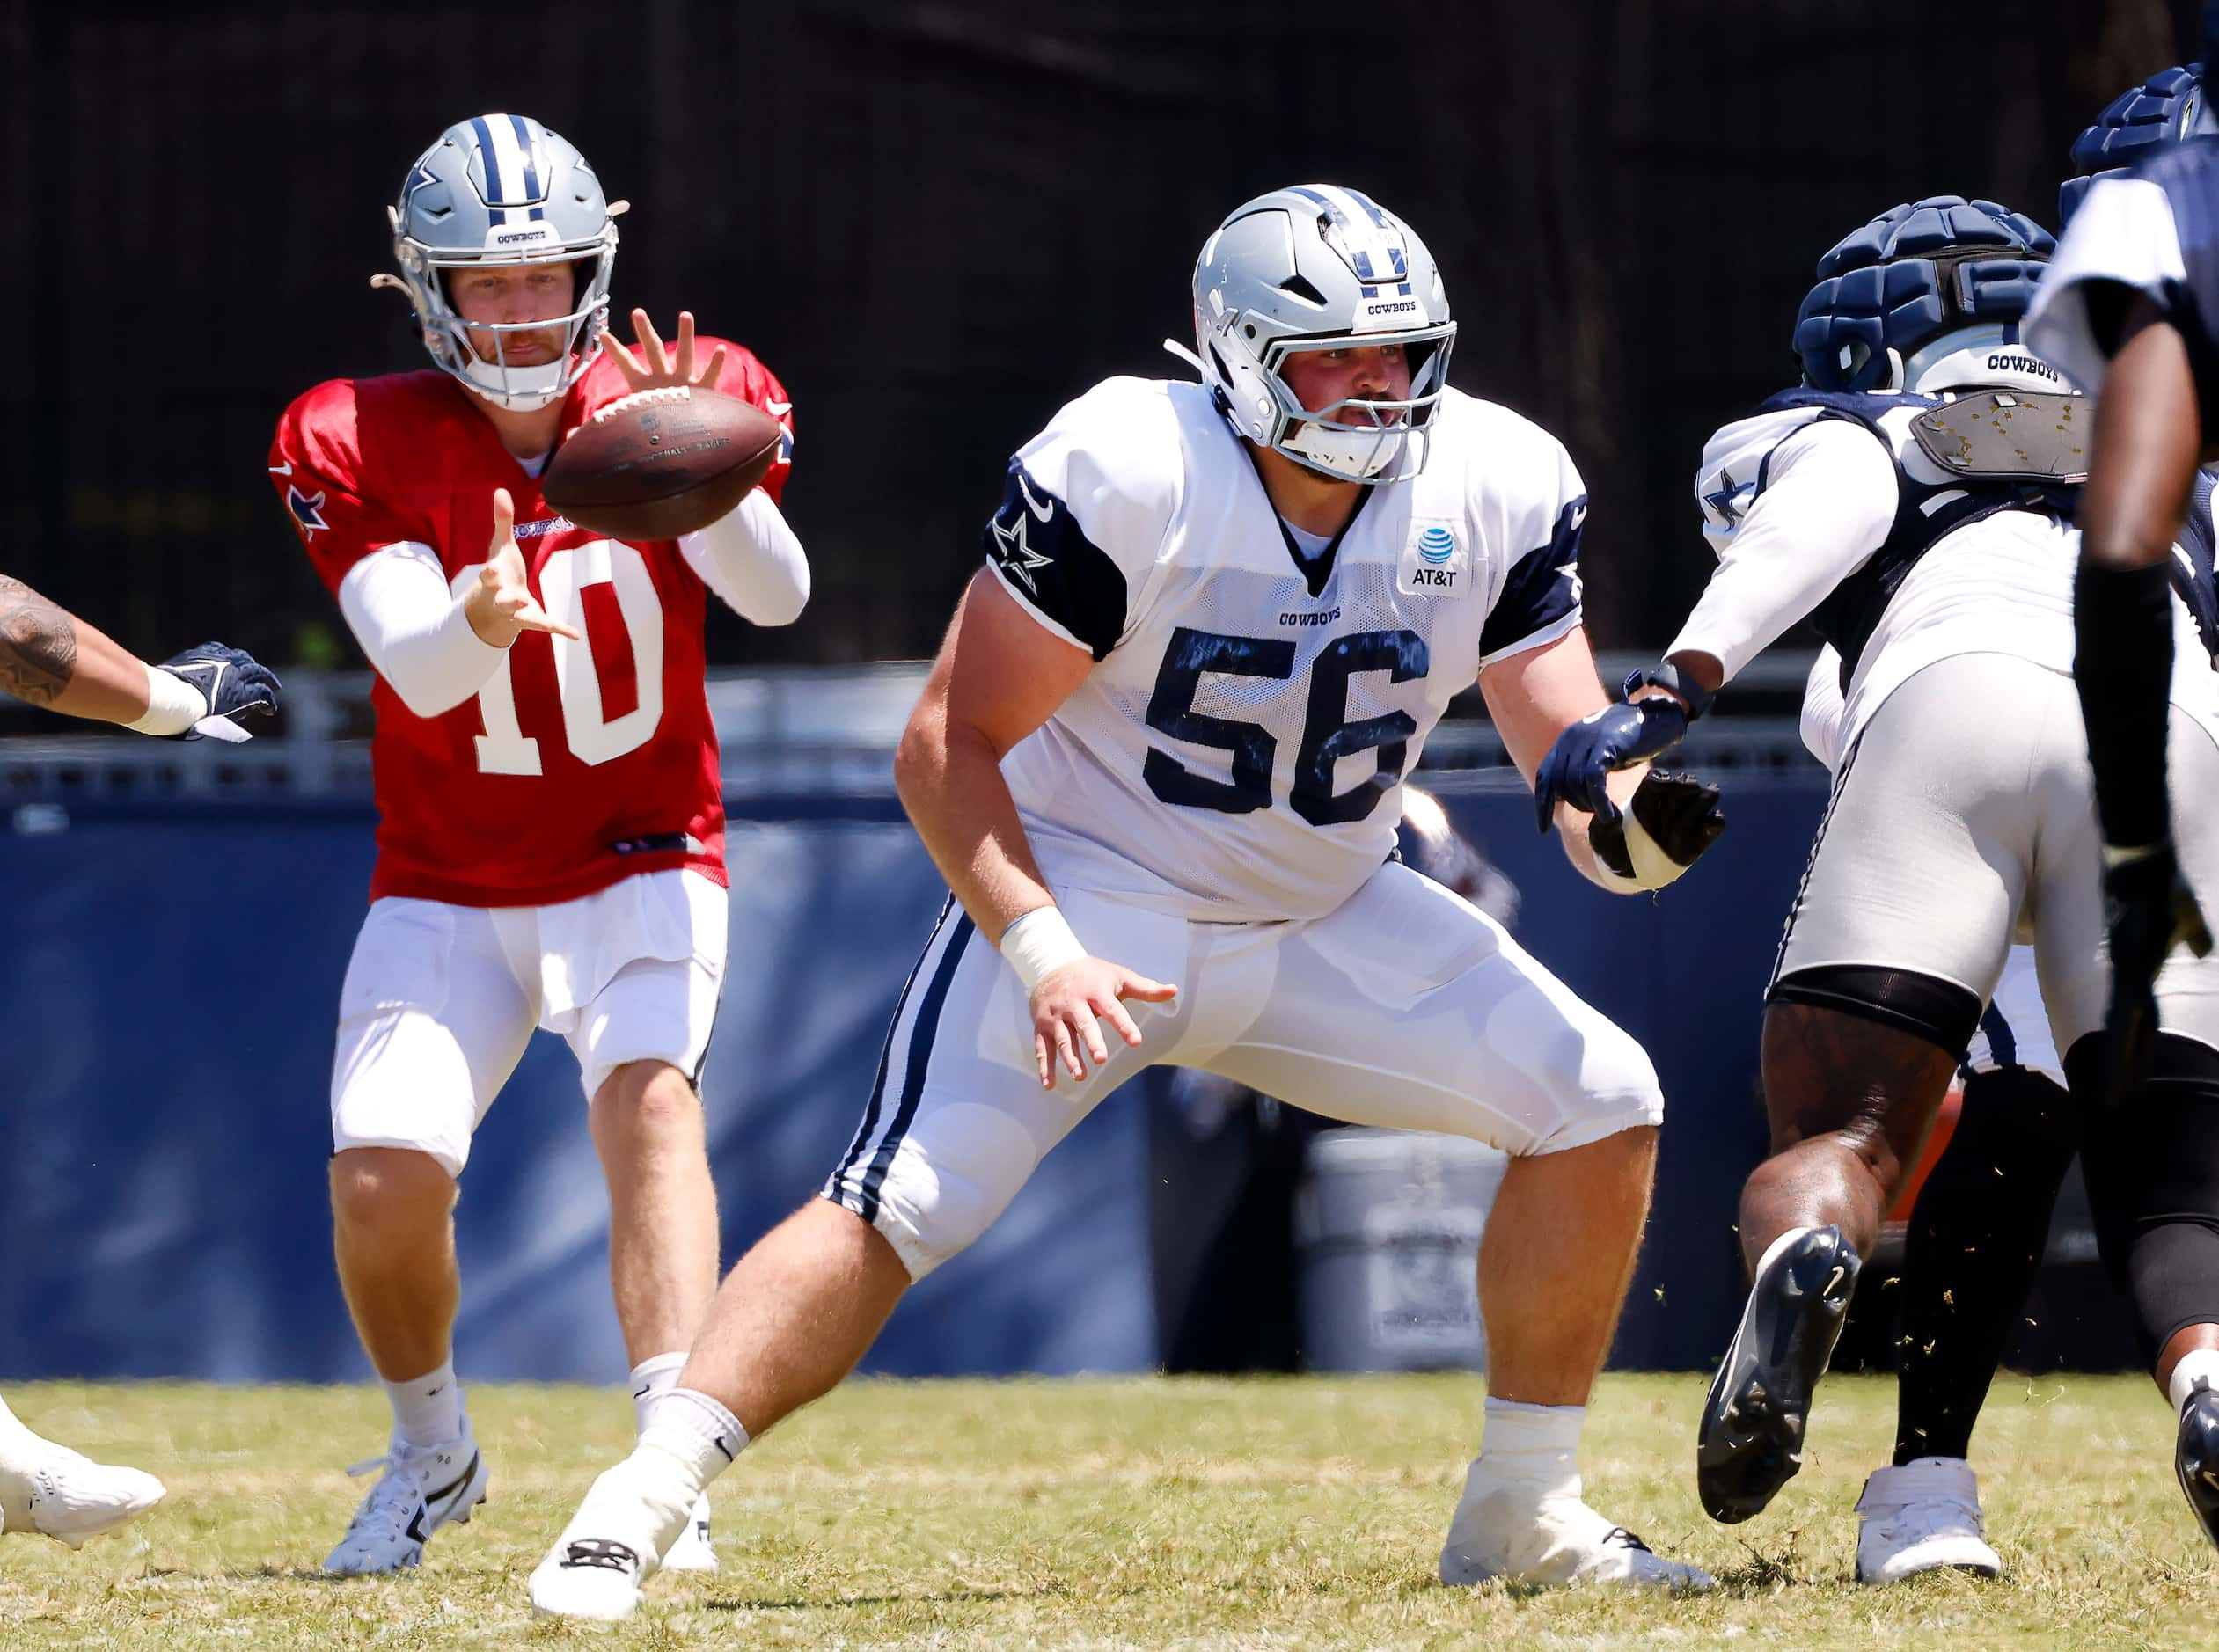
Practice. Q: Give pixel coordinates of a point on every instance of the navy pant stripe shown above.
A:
(920, 1057)
(1811, 862)
(2002, 1048)
(870, 1125)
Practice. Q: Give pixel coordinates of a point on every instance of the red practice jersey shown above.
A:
(578, 763)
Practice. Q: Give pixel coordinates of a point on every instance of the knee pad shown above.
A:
(1615, 1088)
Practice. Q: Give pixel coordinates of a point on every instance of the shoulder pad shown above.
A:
(2001, 433)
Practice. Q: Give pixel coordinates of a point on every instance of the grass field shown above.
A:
(1293, 1513)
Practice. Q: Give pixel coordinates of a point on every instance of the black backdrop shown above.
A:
(938, 219)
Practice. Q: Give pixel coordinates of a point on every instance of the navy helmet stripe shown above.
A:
(920, 1057)
(524, 147)
(869, 1126)
(1332, 211)
(490, 158)
(491, 162)
(1370, 206)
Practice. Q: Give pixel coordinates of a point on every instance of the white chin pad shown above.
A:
(1652, 868)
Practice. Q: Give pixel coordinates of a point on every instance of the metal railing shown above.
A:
(784, 731)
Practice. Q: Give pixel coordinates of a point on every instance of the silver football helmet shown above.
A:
(500, 189)
(1318, 267)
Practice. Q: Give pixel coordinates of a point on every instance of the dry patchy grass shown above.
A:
(1267, 1513)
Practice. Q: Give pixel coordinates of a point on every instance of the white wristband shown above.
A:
(1039, 943)
(173, 705)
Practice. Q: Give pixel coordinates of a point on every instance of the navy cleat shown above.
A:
(2196, 1459)
(1751, 1440)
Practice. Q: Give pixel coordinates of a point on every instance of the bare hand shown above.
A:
(663, 368)
(500, 605)
(1069, 1005)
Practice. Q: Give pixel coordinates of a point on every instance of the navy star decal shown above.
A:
(1730, 500)
(308, 511)
(1018, 558)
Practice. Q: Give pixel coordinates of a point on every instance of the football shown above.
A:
(660, 462)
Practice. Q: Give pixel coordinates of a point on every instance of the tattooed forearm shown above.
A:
(38, 645)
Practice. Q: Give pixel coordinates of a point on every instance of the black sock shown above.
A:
(1977, 1238)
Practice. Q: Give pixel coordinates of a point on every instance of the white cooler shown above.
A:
(1386, 1236)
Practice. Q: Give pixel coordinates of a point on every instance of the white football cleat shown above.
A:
(422, 1488)
(613, 1544)
(1920, 1517)
(692, 1550)
(65, 1494)
(1528, 1536)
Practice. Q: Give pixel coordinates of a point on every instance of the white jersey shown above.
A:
(2147, 233)
(1824, 506)
(1237, 752)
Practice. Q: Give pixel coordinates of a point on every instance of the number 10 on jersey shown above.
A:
(567, 580)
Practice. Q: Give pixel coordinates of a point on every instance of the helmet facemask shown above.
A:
(446, 333)
(1355, 439)
(502, 192)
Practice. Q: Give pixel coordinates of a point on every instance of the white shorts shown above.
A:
(440, 1001)
(1964, 817)
(1406, 1007)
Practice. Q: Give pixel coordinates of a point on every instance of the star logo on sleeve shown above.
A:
(1730, 500)
(1017, 557)
(308, 511)
(1570, 571)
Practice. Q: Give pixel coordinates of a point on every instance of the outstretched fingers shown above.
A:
(651, 350)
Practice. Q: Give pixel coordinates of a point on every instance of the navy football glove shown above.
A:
(1579, 764)
(2149, 909)
(233, 682)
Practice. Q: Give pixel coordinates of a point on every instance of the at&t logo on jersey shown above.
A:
(1434, 562)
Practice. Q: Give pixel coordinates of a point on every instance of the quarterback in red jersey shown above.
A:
(551, 836)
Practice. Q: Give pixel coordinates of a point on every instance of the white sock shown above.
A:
(1778, 1246)
(1533, 1445)
(2196, 1363)
(651, 1379)
(428, 1409)
(697, 1433)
